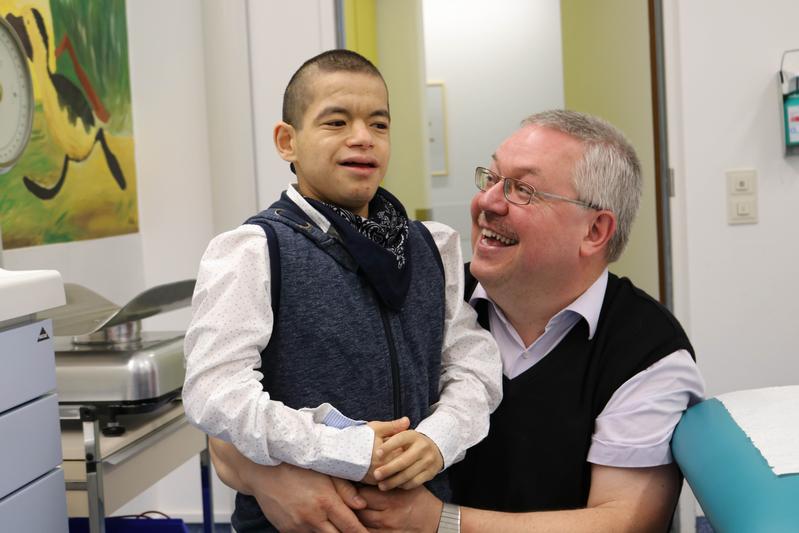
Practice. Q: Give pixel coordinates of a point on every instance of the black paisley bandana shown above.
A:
(385, 226)
(379, 244)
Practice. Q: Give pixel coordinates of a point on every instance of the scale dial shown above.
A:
(16, 98)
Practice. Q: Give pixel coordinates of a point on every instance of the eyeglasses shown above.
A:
(518, 192)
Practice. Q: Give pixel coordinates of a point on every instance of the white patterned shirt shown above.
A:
(232, 323)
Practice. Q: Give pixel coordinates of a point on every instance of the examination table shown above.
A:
(733, 482)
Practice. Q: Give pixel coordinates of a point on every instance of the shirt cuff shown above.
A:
(336, 419)
(345, 453)
(442, 428)
(625, 456)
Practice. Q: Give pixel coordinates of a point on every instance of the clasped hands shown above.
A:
(401, 457)
(298, 500)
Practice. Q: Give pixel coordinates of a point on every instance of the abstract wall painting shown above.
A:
(76, 179)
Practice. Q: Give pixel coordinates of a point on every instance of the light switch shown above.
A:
(741, 185)
(742, 209)
(742, 181)
(741, 196)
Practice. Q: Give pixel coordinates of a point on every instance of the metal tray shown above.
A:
(86, 312)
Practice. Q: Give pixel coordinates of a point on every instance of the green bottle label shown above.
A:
(792, 120)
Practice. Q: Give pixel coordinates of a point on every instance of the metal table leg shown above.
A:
(207, 493)
(94, 470)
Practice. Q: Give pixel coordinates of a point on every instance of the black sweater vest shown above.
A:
(534, 457)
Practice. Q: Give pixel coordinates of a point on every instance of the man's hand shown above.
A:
(400, 510)
(300, 500)
(383, 431)
(411, 458)
(639, 500)
(292, 498)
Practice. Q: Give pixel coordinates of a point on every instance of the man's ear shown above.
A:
(285, 137)
(601, 229)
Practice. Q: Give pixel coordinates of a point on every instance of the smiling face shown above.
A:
(341, 149)
(519, 246)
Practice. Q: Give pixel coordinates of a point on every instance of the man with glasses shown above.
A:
(596, 373)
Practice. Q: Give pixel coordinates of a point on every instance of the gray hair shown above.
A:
(609, 174)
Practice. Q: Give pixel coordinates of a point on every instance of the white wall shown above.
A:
(282, 36)
(500, 61)
(229, 103)
(738, 296)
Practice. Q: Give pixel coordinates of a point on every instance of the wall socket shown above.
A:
(742, 196)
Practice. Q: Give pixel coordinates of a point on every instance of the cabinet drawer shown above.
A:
(40, 507)
(31, 443)
(27, 363)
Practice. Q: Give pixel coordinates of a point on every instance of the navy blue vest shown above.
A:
(334, 342)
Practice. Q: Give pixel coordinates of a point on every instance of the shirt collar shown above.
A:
(588, 305)
(317, 217)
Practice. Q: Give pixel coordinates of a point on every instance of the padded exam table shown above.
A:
(731, 479)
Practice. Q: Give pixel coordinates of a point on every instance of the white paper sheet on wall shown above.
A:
(770, 418)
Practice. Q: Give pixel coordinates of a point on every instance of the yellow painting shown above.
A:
(76, 179)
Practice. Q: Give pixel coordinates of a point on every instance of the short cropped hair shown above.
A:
(298, 97)
(608, 175)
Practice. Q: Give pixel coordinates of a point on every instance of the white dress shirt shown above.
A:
(232, 323)
(634, 429)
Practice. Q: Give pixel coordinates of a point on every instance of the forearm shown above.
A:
(470, 390)
(419, 511)
(620, 500)
(593, 520)
(293, 499)
(230, 465)
(238, 472)
(269, 433)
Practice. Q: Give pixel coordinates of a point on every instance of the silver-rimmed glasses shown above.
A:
(518, 192)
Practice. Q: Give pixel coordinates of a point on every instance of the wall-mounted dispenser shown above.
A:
(788, 84)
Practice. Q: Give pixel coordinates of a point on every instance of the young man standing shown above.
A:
(332, 307)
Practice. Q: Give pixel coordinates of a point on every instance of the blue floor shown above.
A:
(218, 528)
